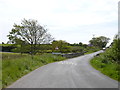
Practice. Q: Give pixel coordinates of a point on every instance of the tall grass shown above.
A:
(109, 61)
(18, 65)
(0, 71)
(11, 56)
(107, 67)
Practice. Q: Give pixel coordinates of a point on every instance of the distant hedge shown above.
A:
(6, 47)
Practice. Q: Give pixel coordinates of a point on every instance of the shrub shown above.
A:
(108, 62)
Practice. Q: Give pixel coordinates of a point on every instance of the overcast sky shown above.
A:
(71, 20)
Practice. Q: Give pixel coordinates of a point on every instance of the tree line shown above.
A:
(31, 37)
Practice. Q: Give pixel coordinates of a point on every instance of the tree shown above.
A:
(115, 49)
(31, 33)
(113, 52)
(76, 49)
(80, 43)
(21, 46)
(85, 45)
(60, 46)
(99, 41)
(3, 43)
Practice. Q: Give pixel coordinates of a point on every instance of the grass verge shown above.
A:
(14, 66)
(0, 71)
(89, 52)
(107, 67)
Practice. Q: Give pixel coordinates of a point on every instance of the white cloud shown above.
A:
(60, 16)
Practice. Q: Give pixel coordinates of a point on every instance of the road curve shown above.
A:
(71, 73)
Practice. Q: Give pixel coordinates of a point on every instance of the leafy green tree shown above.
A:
(115, 49)
(77, 49)
(60, 46)
(113, 52)
(21, 46)
(85, 45)
(99, 41)
(80, 43)
(31, 33)
(3, 43)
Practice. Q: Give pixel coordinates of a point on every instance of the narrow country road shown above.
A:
(71, 73)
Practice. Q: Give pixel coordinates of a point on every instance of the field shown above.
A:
(15, 65)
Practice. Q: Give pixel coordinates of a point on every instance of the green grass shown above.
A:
(6, 44)
(11, 56)
(15, 68)
(89, 52)
(0, 71)
(106, 67)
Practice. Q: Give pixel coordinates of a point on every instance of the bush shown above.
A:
(7, 47)
(108, 62)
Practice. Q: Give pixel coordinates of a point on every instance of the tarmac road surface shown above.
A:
(71, 73)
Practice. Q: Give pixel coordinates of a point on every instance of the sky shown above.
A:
(71, 20)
